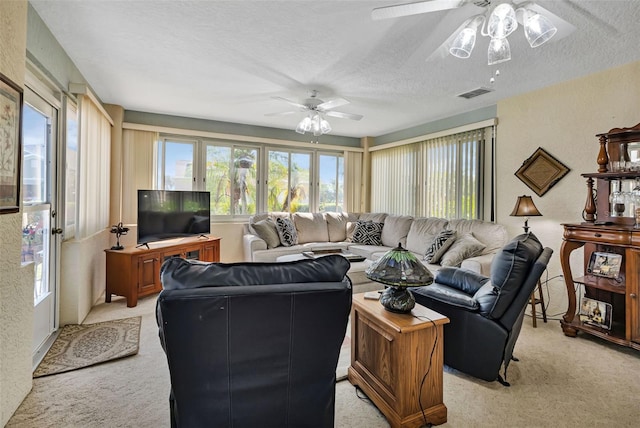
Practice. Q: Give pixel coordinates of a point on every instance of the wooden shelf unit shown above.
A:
(604, 232)
(135, 272)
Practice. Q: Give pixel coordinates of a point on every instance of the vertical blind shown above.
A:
(439, 177)
(95, 155)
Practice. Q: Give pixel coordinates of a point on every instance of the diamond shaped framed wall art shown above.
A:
(541, 171)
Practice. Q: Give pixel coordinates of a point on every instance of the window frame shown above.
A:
(199, 169)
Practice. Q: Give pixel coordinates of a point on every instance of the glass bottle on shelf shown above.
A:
(617, 199)
(635, 197)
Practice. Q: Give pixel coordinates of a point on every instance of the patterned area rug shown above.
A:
(84, 345)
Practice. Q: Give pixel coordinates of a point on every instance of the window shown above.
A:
(331, 193)
(288, 181)
(71, 170)
(440, 177)
(245, 179)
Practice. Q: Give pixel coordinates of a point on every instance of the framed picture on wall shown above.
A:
(10, 144)
(541, 171)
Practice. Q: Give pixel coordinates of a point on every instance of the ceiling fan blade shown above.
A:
(293, 103)
(416, 8)
(344, 115)
(334, 103)
(281, 113)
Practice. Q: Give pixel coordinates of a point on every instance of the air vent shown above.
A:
(475, 93)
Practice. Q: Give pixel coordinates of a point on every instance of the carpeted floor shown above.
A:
(558, 382)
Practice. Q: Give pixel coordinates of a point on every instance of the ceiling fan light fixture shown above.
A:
(538, 29)
(325, 128)
(463, 44)
(499, 51)
(502, 21)
(304, 125)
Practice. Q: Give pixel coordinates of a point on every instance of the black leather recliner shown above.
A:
(486, 313)
(253, 344)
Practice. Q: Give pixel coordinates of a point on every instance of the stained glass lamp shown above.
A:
(399, 269)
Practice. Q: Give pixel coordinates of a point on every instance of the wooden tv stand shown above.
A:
(135, 272)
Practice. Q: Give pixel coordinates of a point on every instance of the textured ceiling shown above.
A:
(225, 60)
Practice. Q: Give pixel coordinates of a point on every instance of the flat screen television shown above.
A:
(170, 214)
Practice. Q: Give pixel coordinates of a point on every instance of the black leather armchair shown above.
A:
(486, 313)
(253, 344)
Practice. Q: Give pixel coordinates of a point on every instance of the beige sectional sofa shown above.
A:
(472, 246)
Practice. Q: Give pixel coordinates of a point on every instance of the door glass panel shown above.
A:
(34, 172)
(35, 242)
(331, 183)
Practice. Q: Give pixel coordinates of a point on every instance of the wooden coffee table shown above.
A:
(397, 360)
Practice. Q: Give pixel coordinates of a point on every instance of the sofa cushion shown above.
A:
(422, 232)
(286, 232)
(337, 225)
(177, 273)
(376, 217)
(464, 247)
(266, 230)
(311, 227)
(439, 246)
(510, 268)
(395, 230)
(368, 233)
(492, 235)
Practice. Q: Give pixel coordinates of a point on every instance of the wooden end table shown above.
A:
(393, 363)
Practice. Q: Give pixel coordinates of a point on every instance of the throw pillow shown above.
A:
(266, 230)
(464, 247)
(439, 246)
(286, 231)
(368, 233)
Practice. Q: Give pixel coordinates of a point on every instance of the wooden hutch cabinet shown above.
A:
(135, 272)
(610, 233)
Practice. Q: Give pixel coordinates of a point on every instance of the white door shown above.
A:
(39, 222)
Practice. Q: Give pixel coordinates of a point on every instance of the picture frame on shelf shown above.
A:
(541, 171)
(606, 265)
(596, 313)
(11, 99)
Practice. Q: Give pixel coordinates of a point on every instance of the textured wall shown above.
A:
(16, 281)
(562, 119)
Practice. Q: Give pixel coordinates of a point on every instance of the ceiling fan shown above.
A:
(540, 25)
(316, 109)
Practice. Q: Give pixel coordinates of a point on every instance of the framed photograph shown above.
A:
(596, 313)
(604, 264)
(10, 145)
(541, 171)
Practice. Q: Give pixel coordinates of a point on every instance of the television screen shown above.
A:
(169, 214)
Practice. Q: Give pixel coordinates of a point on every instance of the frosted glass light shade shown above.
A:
(537, 28)
(304, 125)
(499, 51)
(325, 128)
(463, 44)
(502, 21)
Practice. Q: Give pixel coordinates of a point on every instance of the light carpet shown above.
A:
(558, 382)
(83, 345)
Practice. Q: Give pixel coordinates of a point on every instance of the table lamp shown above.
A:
(399, 269)
(525, 208)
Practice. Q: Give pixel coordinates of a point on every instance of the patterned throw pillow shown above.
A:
(439, 246)
(368, 233)
(286, 231)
